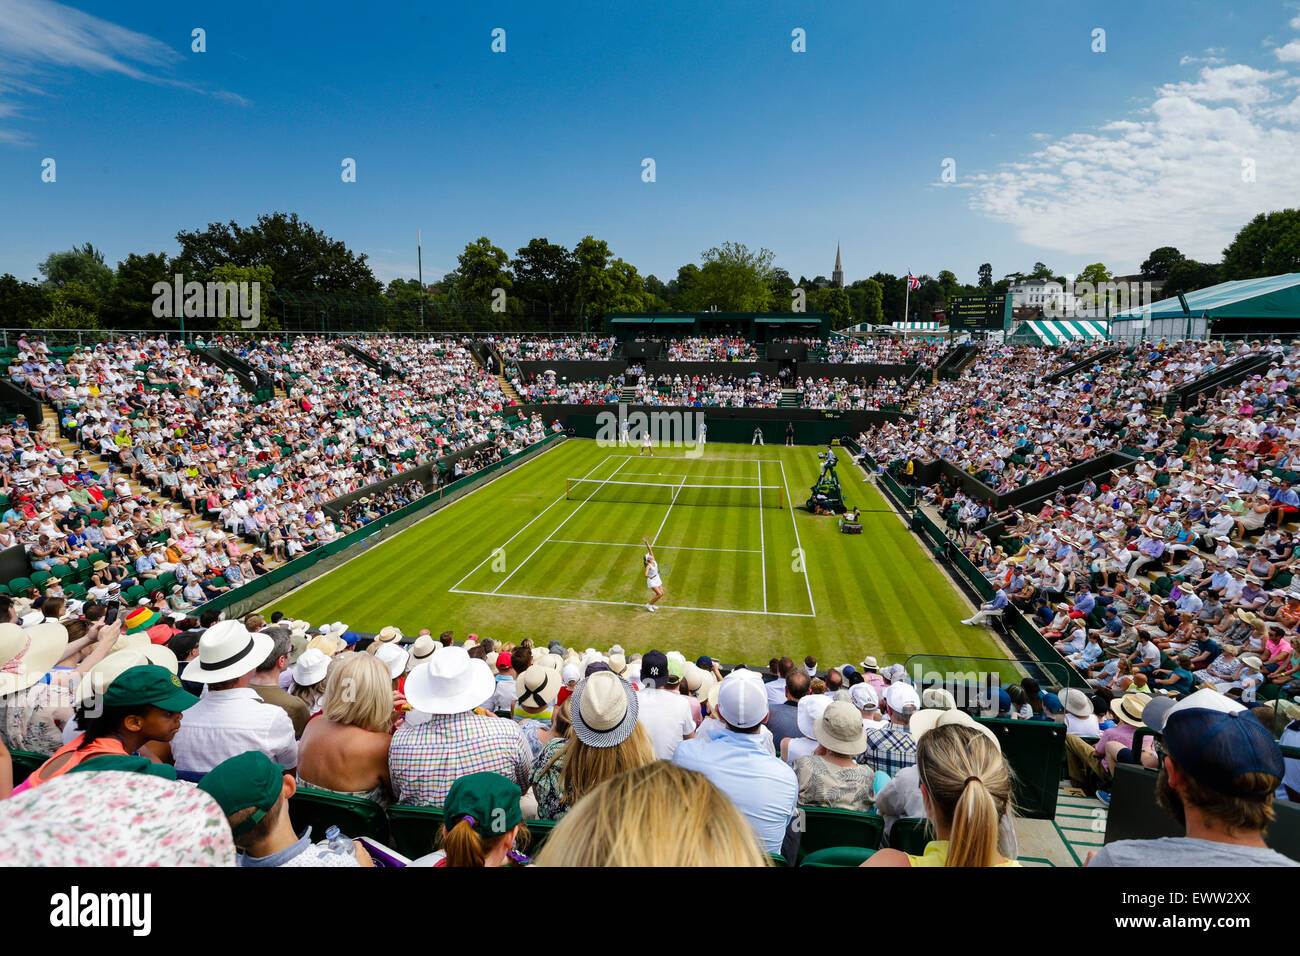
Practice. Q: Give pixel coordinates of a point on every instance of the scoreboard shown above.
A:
(979, 312)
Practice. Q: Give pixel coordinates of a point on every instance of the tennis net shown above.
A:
(675, 493)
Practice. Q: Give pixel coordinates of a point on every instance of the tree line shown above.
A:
(543, 285)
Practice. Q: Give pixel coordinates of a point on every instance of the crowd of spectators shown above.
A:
(842, 350)
(731, 391)
(711, 348)
(840, 394)
(560, 348)
(546, 388)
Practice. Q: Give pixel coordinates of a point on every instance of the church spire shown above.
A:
(837, 277)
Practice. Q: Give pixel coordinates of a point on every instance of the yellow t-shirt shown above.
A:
(936, 854)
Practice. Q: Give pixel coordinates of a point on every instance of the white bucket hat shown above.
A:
(393, 657)
(227, 651)
(310, 667)
(811, 707)
(450, 682)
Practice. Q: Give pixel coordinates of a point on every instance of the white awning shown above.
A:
(1058, 333)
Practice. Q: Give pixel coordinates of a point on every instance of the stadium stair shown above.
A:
(628, 395)
(49, 427)
(789, 398)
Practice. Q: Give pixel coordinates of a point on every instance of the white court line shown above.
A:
(761, 547)
(790, 504)
(525, 527)
(706, 458)
(662, 547)
(743, 479)
(668, 512)
(675, 607)
(557, 527)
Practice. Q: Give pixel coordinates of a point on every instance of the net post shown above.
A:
(780, 497)
(568, 487)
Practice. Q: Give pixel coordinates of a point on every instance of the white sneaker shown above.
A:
(967, 621)
(650, 607)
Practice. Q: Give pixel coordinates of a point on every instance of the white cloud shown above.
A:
(1289, 53)
(1172, 174)
(37, 36)
(1295, 22)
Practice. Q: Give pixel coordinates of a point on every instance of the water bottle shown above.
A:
(339, 843)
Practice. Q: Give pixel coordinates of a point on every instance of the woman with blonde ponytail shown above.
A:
(966, 786)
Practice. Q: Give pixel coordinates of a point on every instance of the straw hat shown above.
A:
(423, 648)
(26, 655)
(389, 633)
(603, 710)
(538, 686)
(924, 721)
(227, 651)
(1129, 708)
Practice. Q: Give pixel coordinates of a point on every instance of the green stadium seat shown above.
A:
(415, 829)
(910, 834)
(134, 593)
(354, 816)
(76, 592)
(825, 827)
(64, 572)
(19, 586)
(838, 856)
(40, 577)
(1035, 749)
(25, 762)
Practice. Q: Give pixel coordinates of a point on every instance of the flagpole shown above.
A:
(907, 295)
(419, 259)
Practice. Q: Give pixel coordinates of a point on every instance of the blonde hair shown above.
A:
(655, 815)
(968, 787)
(359, 693)
(586, 767)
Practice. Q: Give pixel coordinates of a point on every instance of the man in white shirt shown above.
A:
(231, 718)
(666, 716)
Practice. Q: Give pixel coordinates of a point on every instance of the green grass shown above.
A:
(503, 563)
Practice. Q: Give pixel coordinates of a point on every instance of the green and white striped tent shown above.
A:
(1061, 331)
(917, 326)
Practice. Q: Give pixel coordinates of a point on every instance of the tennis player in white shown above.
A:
(652, 579)
(646, 446)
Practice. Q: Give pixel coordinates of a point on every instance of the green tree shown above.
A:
(832, 300)
(680, 288)
(1041, 271)
(872, 299)
(1158, 264)
(892, 294)
(1188, 275)
(543, 273)
(130, 303)
(267, 318)
(1267, 245)
(481, 268)
(734, 279)
(301, 258)
(986, 276)
(82, 264)
(22, 304)
(66, 312)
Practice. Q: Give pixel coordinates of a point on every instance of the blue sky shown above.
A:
(1061, 154)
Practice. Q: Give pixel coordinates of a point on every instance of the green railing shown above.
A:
(300, 570)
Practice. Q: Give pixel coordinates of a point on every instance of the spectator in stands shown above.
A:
(892, 747)
(345, 747)
(1218, 777)
(231, 718)
(666, 716)
(781, 670)
(831, 776)
(605, 738)
(266, 679)
(482, 824)
(1085, 759)
(966, 786)
(253, 791)
(655, 815)
(425, 758)
(902, 798)
(763, 787)
(782, 718)
(990, 609)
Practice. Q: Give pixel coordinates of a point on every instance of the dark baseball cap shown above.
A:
(1216, 740)
(654, 669)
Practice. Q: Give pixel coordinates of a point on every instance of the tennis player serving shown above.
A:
(652, 579)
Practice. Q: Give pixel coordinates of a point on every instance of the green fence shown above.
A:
(306, 567)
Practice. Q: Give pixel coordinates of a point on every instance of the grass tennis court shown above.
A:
(552, 550)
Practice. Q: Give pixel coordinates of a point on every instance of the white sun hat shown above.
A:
(450, 682)
(227, 651)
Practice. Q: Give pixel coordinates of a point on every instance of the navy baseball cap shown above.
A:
(654, 669)
(1216, 740)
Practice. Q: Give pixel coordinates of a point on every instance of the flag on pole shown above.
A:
(912, 281)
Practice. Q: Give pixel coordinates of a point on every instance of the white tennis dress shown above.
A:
(652, 579)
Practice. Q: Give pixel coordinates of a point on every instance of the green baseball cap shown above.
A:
(676, 668)
(127, 763)
(489, 800)
(250, 779)
(148, 684)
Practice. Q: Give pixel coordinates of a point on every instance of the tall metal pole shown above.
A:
(907, 294)
(419, 259)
